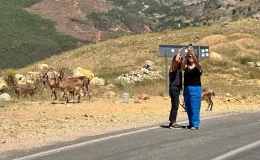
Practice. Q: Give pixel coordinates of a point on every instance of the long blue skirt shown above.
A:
(192, 99)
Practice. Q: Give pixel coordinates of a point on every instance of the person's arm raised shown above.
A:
(175, 61)
(195, 59)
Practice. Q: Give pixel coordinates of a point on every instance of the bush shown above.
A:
(244, 60)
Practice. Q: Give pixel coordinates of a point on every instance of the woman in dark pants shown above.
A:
(175, 86)
(192, 88)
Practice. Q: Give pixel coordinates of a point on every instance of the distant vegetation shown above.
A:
(116, 17)
(27, 38)
(161, 15)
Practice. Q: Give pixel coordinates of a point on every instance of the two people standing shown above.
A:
(192, 88)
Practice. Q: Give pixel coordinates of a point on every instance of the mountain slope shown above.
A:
(235, 42)
(101, 20)
(27, 38)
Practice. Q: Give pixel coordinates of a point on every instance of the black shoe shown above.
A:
(170, 125)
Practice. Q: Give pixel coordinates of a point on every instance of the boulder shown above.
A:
(148, 64)
(5, 97)
(42, 67)
(215, 56)
(19, 79)
(257, 64)
(83, 72)
(3, 84)
(251, 64)
(97, 81)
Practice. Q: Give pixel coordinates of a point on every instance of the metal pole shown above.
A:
(166, 72)
(198, 53)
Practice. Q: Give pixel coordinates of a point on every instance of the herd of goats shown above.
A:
(69, 86)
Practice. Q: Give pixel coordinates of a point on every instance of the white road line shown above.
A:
(45, 153)
(57, 150)
(238, 150)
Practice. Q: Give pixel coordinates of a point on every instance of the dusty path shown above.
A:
(34, 124)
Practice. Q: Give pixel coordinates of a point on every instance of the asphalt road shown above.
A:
(227, 137)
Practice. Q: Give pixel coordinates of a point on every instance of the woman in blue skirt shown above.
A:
(192, 88)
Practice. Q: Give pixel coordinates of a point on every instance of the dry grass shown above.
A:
(112, 58)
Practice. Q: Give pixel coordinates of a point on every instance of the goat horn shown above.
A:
(49, 70)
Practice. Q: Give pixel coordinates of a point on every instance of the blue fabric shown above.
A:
(192, 99)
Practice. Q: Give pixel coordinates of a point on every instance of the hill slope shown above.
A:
(27, 38)
(101, 20)
(236, 43)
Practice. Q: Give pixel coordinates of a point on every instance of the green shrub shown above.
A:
(244, 60)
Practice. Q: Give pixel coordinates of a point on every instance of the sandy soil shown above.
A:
(34, 124)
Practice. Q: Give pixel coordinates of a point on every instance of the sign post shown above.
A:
(166, 50)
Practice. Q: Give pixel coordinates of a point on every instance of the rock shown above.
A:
(251, 64)
(228, 95)
(136, 100)
(215, 56)
(42, 67)
(3, 84)
(2, 141)
(98, 81)
(143, 96)
(148, 64)
(227, 99)
(5, 97)
(83, 72)
(257, 64)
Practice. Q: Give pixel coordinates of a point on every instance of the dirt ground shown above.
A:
(34, 124)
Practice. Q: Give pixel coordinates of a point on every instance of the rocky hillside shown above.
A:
(96, 20)
(34, 30)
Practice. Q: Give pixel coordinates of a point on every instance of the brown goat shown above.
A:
(69, 85)
(86, 82)
(25, 89)
(51, 81)
(84, 79)
(206, 95)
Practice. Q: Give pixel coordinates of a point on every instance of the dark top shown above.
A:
(192, 77)
(176, 78)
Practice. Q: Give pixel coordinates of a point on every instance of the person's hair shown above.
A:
(174, 60)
